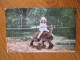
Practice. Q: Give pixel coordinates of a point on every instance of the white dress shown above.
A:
(44, 28)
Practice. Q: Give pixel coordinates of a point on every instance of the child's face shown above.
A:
(43, 21)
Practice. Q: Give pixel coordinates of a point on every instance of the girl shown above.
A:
(43, 26)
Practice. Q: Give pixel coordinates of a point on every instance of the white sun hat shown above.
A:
(43, 18)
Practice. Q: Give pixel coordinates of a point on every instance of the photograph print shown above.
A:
(40, 30)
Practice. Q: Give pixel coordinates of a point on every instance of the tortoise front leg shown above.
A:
(50, 44)
(40, 45)
(43, 44)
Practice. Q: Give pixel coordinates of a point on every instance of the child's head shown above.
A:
(43, 20)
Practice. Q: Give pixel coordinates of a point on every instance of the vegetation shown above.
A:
(61, 18)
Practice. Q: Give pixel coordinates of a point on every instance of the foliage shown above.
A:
(61, 18)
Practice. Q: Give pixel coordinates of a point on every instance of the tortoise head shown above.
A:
(51, 28)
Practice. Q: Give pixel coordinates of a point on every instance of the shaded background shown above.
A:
(25, 21)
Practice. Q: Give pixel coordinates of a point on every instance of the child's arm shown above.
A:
(43, 26)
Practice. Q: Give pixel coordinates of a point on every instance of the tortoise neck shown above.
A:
(50, 31)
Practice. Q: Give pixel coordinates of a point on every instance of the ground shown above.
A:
(24, 46)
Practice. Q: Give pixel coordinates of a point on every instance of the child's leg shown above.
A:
(47, 30)
(40, 33)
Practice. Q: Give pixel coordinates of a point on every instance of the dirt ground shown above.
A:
(24, 46)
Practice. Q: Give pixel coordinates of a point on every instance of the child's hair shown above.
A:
(44, 19)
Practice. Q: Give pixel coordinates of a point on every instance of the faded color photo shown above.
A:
(40, 30)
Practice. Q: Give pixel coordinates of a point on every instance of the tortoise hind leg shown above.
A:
(31, 43)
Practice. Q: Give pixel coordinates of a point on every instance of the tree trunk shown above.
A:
(25, 12)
